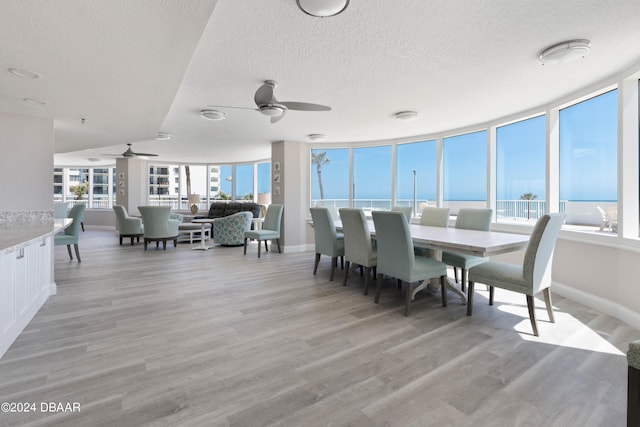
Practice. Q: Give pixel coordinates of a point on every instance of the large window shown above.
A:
(520, 170)
(465, 171)
(264, 178)
(330, 177)
(96, 187)
(588, 160)
(372, 177)
(244, 182)
(416, 174)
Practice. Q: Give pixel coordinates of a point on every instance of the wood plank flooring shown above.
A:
(215, 338)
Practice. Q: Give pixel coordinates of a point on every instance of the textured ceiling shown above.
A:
(136, 67)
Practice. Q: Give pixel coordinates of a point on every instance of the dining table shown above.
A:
(470, 242)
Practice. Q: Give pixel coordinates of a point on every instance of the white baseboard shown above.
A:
(608, 307)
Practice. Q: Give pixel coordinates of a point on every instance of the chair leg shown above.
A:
(69, 250)
(407, 299)
(491, 292)
(463, 283)
(378, 286)
(164, 245)
(175, 242)
(82, 225)
(547, 300)
(75, 246)
(266, 247)
(278, 243)
(532, 314)
(131, 241)
(470, 298)
(346, 275)
(315, 266)
(245, 245)
(399, 284)
(455, 275)
(342, 262)
(334, 264)
(444, 290)
(120, 240)
(259, 246)
(145, 244)
(367, 277)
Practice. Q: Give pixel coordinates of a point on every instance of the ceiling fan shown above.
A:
(130, 153)
(268, 104)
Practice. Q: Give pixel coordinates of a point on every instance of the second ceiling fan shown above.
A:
(269, 106)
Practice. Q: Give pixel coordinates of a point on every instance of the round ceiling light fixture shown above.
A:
(212, 114)
(406, 115)
(163, 136)
(35, 101)
(564, 52)
(20, 72)
(272, 110)
(317, 136)
(322, 8)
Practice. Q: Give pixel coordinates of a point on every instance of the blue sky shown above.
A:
(588, 161)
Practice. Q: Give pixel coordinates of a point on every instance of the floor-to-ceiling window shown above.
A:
(589, 161)
(520, 170)
(465, 171)
(330, 177)
(416, 174)
(372, 177)
(244, 182)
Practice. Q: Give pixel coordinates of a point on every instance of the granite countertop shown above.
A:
(17, 234)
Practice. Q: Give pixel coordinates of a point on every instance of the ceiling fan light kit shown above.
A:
(405, 116)
(564, 52)
(317, 137)
(322, 8)
(212, 114)
(163, 136)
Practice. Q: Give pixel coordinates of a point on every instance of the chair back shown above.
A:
(394, 244)
(121, 213)
(538, 257)
(357, 239)
(156, 221)
(60, 209)
(406, 210)
(324, 230)
(273, 218)
(474, 219)
(435, 217)
(77, 214)
(603, 214)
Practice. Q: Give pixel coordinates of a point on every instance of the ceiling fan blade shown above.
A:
(145, 155)
(278, 118)
(305, 106)
(264, 95)
(228, 106)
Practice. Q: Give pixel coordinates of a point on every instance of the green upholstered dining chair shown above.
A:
(158, 226)
(128, 226)
(270, 229)
(468, 219)
(327, 241)
(358, 249)
(406, 210)
(71, 234)
(396, 257)
(533, 276)
(432, 217)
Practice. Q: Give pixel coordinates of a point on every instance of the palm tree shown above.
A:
(320, 159)
(528, 197)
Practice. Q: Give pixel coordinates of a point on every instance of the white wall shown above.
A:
(26, 165)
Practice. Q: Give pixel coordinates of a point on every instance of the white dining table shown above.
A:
(470, 242)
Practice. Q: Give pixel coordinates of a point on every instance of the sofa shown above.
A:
(221, 209)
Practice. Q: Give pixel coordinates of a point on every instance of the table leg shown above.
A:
(202, 246)
(434, 284)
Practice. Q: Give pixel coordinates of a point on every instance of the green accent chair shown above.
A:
(468, 219)
(158, 226)
(328, 241)
(533, 276)
(396, 257)
(128, 226)
(270, 229)
(406, 210)
(71, 234)
(358, 248)
(432, 217)
(229, 230)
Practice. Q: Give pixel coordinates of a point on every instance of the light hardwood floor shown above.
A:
(215, 338)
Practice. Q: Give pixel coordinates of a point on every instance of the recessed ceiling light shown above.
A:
(212, 114)
(35, 101)
(163, 136)
(316, 137)
(24, 73)
(322, 8)
(564, 52)
(406, 115)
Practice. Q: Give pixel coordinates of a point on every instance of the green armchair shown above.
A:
(158, 226)
(128, 226)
